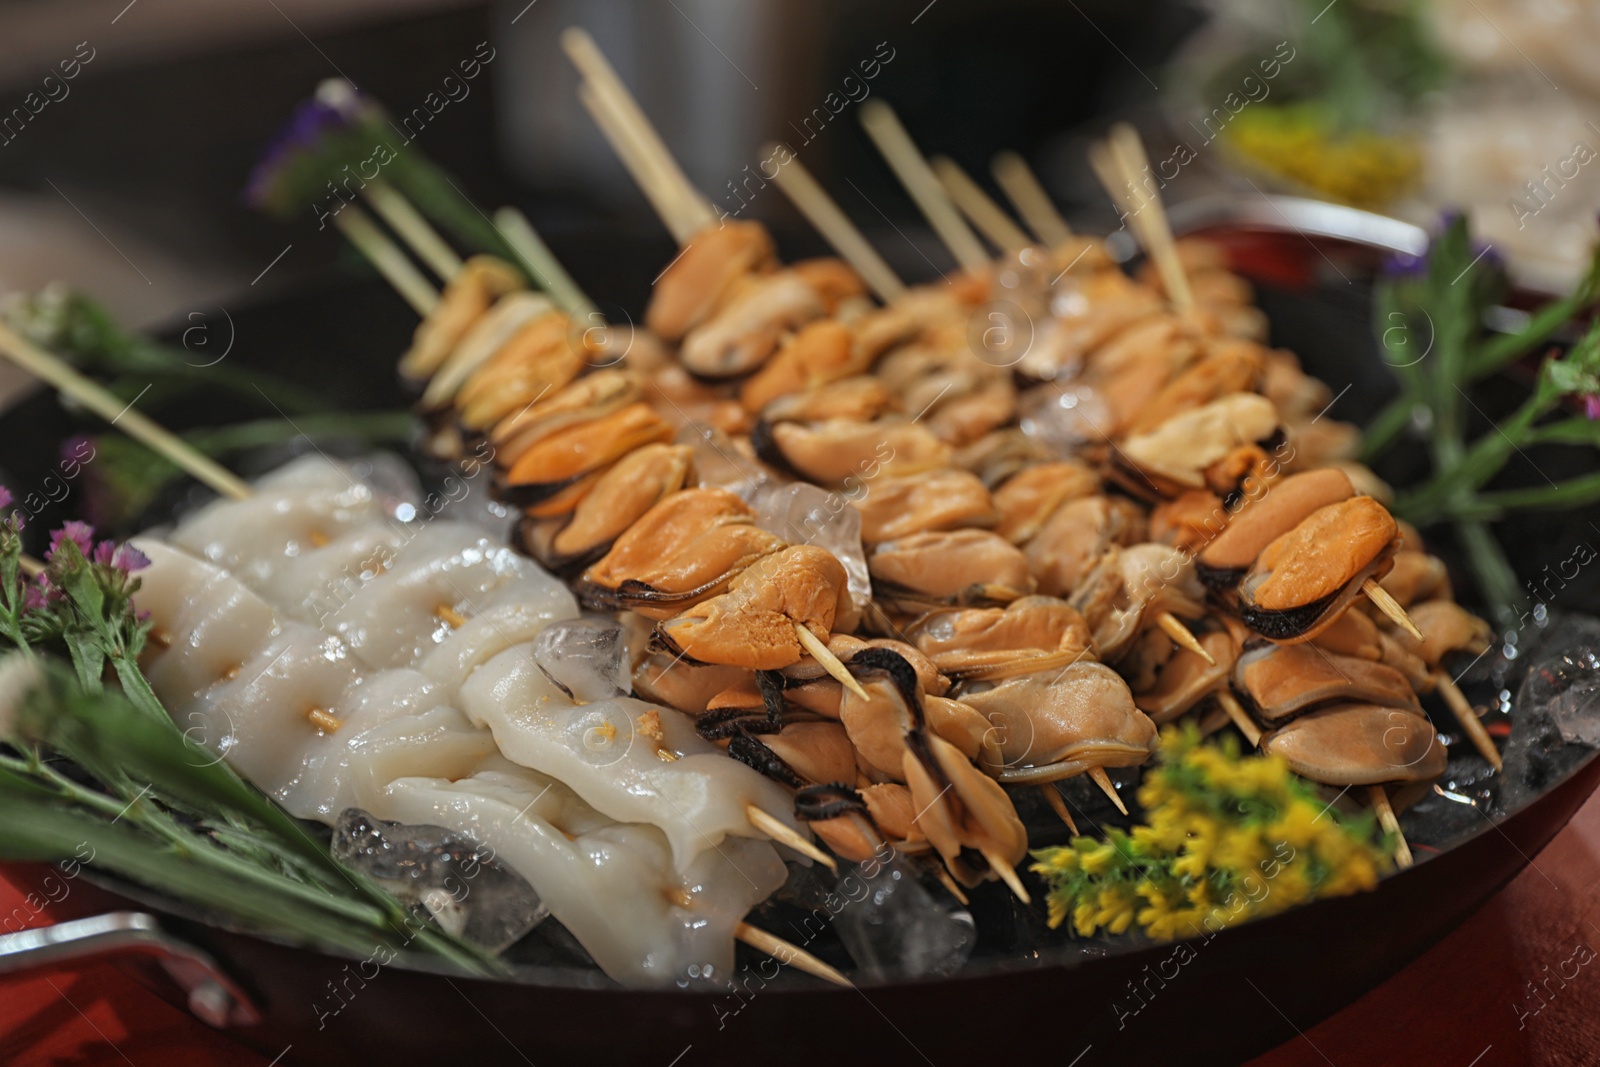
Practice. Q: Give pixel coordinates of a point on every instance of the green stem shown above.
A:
(1499, 580)
(1387, 425)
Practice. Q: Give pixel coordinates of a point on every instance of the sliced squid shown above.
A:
(631, 760)
(613, 885)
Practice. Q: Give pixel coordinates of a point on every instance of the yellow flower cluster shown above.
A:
(1359, 167)
(1227, 838)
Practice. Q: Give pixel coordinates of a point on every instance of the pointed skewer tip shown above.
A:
(830, 663)
(789, 955)
(1008, 875)
(1100, 778)
(785, 834)
(1390, 606)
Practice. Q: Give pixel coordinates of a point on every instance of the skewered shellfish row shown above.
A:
(720, 589)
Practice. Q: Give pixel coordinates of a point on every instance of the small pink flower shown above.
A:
(1591, 406)
(130, 559)
(39, 594)
(104, 552)
(5, 497)
(79, 533)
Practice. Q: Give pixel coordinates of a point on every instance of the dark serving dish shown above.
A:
(1027, 992)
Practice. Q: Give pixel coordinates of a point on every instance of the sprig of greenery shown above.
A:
(1430, 322)
(1228, 838)
(75, 326)
(156, 807)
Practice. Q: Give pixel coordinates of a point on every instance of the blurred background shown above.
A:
(128, 130)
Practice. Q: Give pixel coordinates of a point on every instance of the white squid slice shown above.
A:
(209, 623)
(393, 725)
(259, 721)
(613, 885)
(394, 618)
(604, 751)
(298, 507)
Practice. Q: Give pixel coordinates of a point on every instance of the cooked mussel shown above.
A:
(1288, 503)
(684, 549)
(467, 296)
(1306, 578)
(1283, 681)
(1174, 456)
(747, 329)
(1359, 744)
(1028, 635)
(838, 451)
(1058, 723)
(926, 571)
(545, 479)
(695, 283)
(944, 499)
(753, 623)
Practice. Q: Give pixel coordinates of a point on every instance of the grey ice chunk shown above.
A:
(586, 658)
(892, 924)
(1063, 418)
(451, 877)
(1565, 681)
(1556, 713)
(803, 514)
(719, 463)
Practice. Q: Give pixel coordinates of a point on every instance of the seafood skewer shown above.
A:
(172, 603)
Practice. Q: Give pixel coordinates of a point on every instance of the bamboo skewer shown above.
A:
(812, 201)
(990, 219)
(1008, 875)
(950, 884)
(408, 222)
(692, 209)
(1158, 240)
(829, 662)
(649, 180)
(1022, 188)
(901, 154)
(1240, 717)
(546, 269)
(1390, 606)
(785, 834)
(789, 955)
(1174, 628)
(98, 399)
(1103, 780)
(1386, 818)
(1468, 717)
(1058, 804)
(386, 256)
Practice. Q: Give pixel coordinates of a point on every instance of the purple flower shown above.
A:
(104, 551)
(1591, 407)
(335, 109)
(1404, 265)
(79, 533)
(130, 559)
(5, 497)
(40, 594)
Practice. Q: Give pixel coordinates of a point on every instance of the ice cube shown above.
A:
(892, 924)
(719, 462)
(1063, 418)
(454, 879)
(587, 658)
(803, 514)
(1556, 713)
